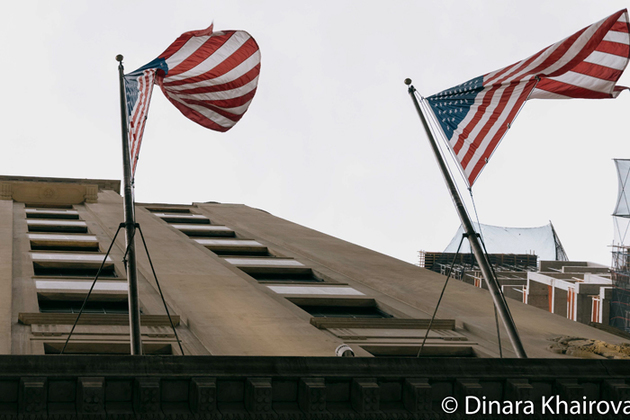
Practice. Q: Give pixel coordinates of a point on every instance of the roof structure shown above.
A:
(541, 241)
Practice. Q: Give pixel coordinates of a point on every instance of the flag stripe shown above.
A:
(239, 59)
(476, 115)
(210, 77)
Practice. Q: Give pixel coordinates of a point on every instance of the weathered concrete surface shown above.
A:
(227, 310)
(404, 282)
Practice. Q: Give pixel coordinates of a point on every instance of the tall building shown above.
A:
(240, 284)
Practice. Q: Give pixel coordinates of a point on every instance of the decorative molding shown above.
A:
(48, 193)
(6, 191)
(91, 193)
(30, 318)
(265, 388)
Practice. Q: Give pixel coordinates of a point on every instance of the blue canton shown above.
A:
(452, 105)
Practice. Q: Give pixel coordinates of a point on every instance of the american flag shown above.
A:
(211, 77)
(475, 115)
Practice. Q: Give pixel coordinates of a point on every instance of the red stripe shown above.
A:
(615, 48)
(248, 49)
(550, 60)
(524, 65)
(234, 84)
(589, 47)
(595, 70)
(494, 143)
(198, 118)
(481, 110)
(496, 113)
(201, 54)
(620, 27)
(571, 91)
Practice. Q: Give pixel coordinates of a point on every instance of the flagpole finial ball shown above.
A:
(119, 58)
(407, 81)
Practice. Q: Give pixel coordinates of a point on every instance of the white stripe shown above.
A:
(227, 49)
(233, 74)
(623, 17)
(619, 37)
(516, 94)
(218, 96)
(543, 94)
(186, 50)
(573, 50)
(586, 82)
(569, 54)
(468, 119)
(511, 76)
(486, 116)
(607, 60)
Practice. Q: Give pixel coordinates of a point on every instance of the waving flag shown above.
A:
(211, 77)
(475, 115)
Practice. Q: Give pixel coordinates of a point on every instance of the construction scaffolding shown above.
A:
(620, 301)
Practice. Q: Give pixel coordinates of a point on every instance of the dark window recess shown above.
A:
(167, 210)
(74, 306)
(107, 271)
(90, 247)
(105, 348)
(285, 277)
(185, 220)
(240, 251)
(329, 311)
(66, 216)
(57, 228)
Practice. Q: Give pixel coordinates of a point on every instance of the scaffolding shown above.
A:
(620, 301)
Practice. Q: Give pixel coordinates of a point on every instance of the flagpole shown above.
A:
(469, 231)
(130, 225)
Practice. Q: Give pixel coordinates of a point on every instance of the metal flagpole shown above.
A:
(130, 225)
(480, 256)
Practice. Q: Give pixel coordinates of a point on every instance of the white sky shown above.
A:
(332, 140)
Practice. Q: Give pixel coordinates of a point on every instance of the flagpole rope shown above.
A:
(450, 271)
(76, 321)
(160, 289)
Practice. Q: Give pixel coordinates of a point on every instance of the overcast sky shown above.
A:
(331, 140)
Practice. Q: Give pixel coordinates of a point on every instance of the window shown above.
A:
(204, 230)
(264, 262)
(285, 277)
(183, 218)
(168, 210)
(340, 308)
(52, 242)
(315, 290)
(51, 214)
(229, 246)
(66, 264)
(74, 306)
(77, 290)
(327, 311)
(41, 225)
